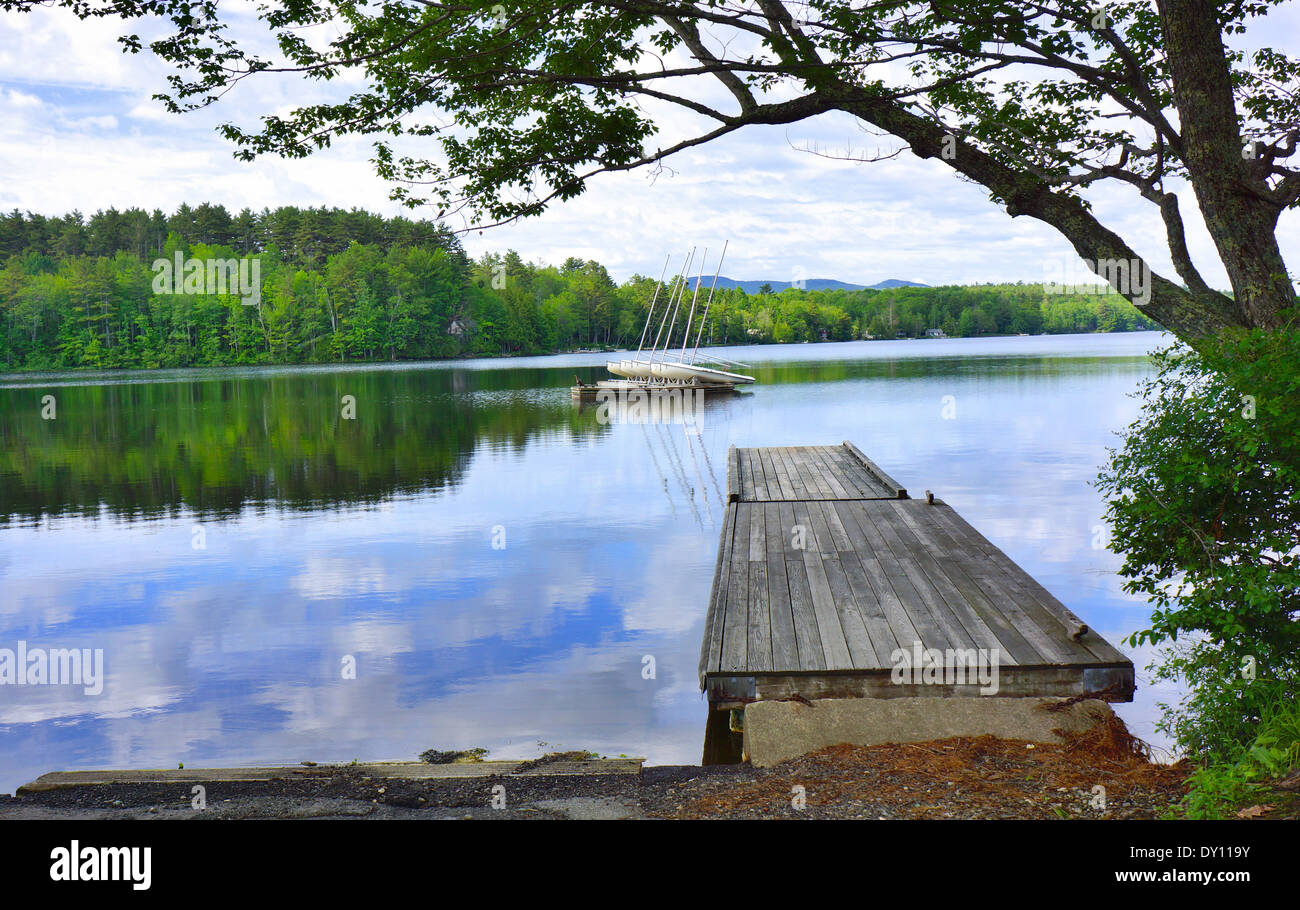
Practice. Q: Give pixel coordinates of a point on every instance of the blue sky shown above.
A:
(78, 130)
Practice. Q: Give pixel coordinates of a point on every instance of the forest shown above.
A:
(350, 286)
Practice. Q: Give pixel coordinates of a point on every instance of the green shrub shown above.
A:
(1204, 503)
(1220, 788)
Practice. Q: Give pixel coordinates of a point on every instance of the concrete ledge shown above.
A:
(779, 730)
(58, 780)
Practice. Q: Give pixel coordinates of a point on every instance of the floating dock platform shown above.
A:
(627, 389)
(829, 576)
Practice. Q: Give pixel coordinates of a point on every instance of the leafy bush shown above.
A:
(1205, 509)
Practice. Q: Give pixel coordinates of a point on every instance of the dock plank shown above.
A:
(835, 647)
(877, 588)
(940, 594)
(785, 644)
(862, 650)
(712, 644)
(884, 565)
(732, 655)
(733, 474)
(938, 542)
(798, 489)
(1045, 631)
(856, 483)
(1030, 587)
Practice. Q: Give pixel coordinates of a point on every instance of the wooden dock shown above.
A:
(827, 571)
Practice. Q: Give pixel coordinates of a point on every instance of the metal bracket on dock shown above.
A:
(1109, 680)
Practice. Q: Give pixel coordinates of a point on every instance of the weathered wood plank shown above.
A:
(838, 533)
(803, 472)
(894, 486)
(711, 647)
(856, 480)
(776, 467)
(1013, 682)
(733, 474)
(1045, 634)
(821, 536)
(924, 572)
(764, 490)
(799, 488)
(862, 649)
(830, 482)
(861, 594)
(940, 544)
(834, 646)
(932, 633)
(814, 478)
(807, 636)
(759, 657)
(812, 654)
(810, 487)
(785, 645)
(1033, 591)
(882, 592)
(897, 537)
(770, 477)
(830, 478)
(735, 628)
(871, 610)
(757, 533)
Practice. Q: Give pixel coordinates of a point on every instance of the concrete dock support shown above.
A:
(776, 731)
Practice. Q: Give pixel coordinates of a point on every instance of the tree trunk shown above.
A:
(1230, 188)
(1189, 316)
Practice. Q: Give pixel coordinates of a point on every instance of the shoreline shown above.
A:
(957, 778)
(7, 372)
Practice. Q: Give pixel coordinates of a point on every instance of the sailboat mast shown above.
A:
(686, 334)
(709, 303)
(650, 312)
(672, 290)
(672, 322)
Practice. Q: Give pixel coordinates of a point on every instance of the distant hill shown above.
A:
(897, 283)
(815, 284)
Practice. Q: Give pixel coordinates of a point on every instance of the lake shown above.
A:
(473, 560)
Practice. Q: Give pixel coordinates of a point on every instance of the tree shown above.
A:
(1036, 102)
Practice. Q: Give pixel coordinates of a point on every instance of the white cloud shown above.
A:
(79, 130)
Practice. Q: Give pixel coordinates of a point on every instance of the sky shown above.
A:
(79, 130)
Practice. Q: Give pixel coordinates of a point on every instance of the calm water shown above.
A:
(495, 562)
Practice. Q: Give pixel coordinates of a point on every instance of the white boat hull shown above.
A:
(629, 369)
(685, 372)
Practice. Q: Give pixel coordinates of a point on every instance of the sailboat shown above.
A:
(665, 369)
